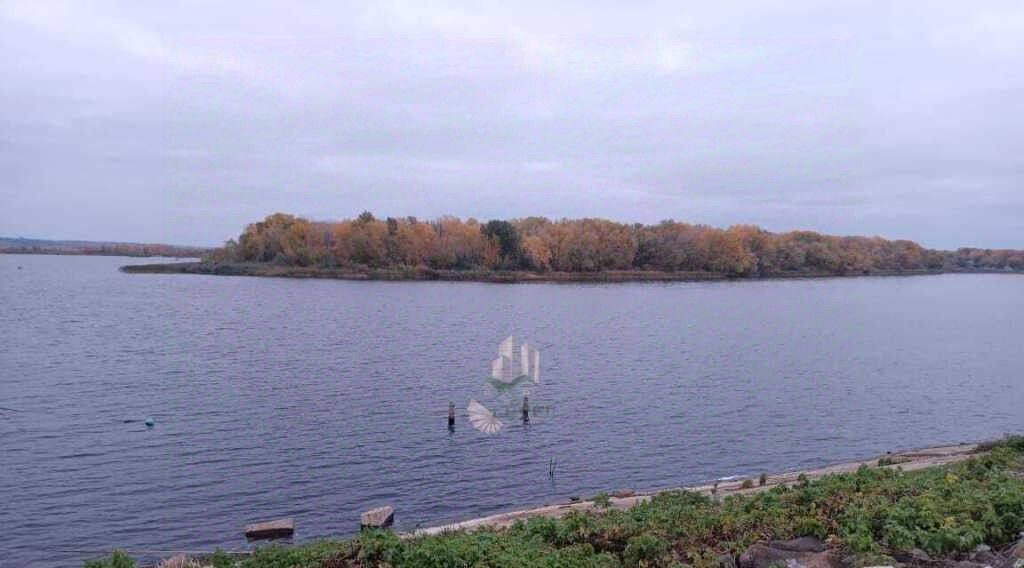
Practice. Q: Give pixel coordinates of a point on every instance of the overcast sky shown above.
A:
(182, 121)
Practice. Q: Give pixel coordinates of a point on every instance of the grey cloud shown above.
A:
(137, 121)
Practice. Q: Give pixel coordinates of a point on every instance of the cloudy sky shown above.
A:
(183, 121)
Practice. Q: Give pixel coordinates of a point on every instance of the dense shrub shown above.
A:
(119, 559)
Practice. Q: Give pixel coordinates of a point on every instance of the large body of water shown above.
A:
(319, 399)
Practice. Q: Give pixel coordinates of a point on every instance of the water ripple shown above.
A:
(320, 399)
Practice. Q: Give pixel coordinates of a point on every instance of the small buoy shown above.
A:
(150, 422)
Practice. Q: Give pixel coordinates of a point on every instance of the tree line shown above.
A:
(585, 245)
(30, 246)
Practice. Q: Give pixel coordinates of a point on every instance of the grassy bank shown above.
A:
(869, 517)
(498, 276)
(411, 273)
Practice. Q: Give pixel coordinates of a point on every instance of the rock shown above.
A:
(963, 564)
(270, 529)
(1015, 555)
(801, 544)
(379, 518)
(869, 560)
(179, 561)
(919, 555)
(806, 552)
(623, 493)
(983, 555)
(987, 558)
(1016, 551)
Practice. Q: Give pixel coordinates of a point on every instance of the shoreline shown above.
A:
(499, 277)
(907, 460)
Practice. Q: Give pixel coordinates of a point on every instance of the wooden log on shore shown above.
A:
(379, 518)
(270, 529)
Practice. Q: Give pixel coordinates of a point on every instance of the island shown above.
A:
(536, 249)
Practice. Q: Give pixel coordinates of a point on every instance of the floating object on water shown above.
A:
(270, 529)
(526, 410)
(150, 422)
(451, 416)
(483, 419)
(379, 518)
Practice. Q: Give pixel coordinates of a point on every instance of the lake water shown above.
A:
(319, 399)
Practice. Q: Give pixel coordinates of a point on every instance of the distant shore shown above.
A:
(91, 253)
(89, 248)
(427, 274)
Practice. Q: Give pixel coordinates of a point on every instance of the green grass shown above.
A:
(872, 511)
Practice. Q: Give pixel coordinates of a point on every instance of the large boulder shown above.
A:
(806, 552)
(379, 518)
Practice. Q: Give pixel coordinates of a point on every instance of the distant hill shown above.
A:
(19, 245)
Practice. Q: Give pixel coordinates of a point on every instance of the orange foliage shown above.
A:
(587, 245)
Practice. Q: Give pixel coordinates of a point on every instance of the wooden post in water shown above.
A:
(451, 416)
(526, 410)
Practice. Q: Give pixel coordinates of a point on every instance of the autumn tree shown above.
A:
(282, 239)
(581, 245)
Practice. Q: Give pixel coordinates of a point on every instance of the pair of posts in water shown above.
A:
(451, 413)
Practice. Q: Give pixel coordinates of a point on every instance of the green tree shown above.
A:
(510, 246)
